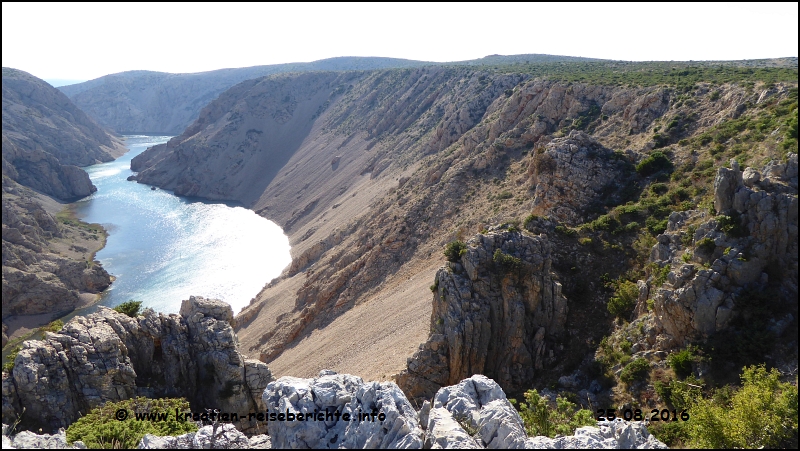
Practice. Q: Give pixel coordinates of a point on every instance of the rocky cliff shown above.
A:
(750, 247)
(473, 414)
(45, 138)
(497, 311)
(47, 264)
(110, 356)
(372, 173)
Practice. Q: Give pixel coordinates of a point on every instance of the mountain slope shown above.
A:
(392, 165)
(158, 102)
(45, 138)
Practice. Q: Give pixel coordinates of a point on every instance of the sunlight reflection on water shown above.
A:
(163, 248)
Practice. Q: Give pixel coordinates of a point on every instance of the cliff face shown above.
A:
(45, 138)
(497, 311)
(108, 356)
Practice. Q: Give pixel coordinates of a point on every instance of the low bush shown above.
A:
(624, 299)
(681, 361)
(454, 250)
(656, 162)
(130, 308)
(506, 263)
(762, 414)
(540, 418)
(706, 245)
(636, 370)
(100, 428)
(9, 365)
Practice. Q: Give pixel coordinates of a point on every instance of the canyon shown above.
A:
(596, 209)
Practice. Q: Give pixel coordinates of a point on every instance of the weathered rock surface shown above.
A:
(345, 394)
(698, 301)
(225, 436)
(46, 137)
(489, 317)
(473, 414)
(108, 356)
(575, 174)
(37, 279)
(618, 434)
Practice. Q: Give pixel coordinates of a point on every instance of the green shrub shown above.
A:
(9, 365)
(55, 326)
(505, 195)
(130, 308)
(656, 162)
(101, 429)
(529, 220)
(655, 226)
(605, 222)
(540, 418)
(454, 250)
(681, 362)
(762, 414)
(560, 229)
(506, 263)
(636, 370)
(624, 299)
(706, 245)
(731, 225)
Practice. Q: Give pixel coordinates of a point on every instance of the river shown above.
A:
(163, 248)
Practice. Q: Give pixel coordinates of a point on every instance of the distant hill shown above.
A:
(146, 101)
(160, 102)
(46, 137)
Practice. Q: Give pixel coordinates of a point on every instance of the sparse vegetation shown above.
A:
(100, 429)
(624, 299)
(454, 250)
(130, 308)
(541, 418)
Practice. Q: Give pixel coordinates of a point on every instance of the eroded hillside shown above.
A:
(372, 173)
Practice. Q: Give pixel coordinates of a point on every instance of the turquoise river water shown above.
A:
(163, 248)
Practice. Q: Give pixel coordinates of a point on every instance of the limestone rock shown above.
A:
(481, 405)
(330, 393)
(480, 305)
(574, 174)
(618, 434)
(698, 302)
(108, 356)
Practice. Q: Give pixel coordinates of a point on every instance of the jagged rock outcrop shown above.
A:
(758, 231)
(576, 174)
(46, 137)
(224, 436)
(108, 356)
(494, 312)
(37, 278)
(344, 394)
(474, 414)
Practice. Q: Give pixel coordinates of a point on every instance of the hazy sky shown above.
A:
(85, 41)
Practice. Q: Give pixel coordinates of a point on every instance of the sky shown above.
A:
(82, 41)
